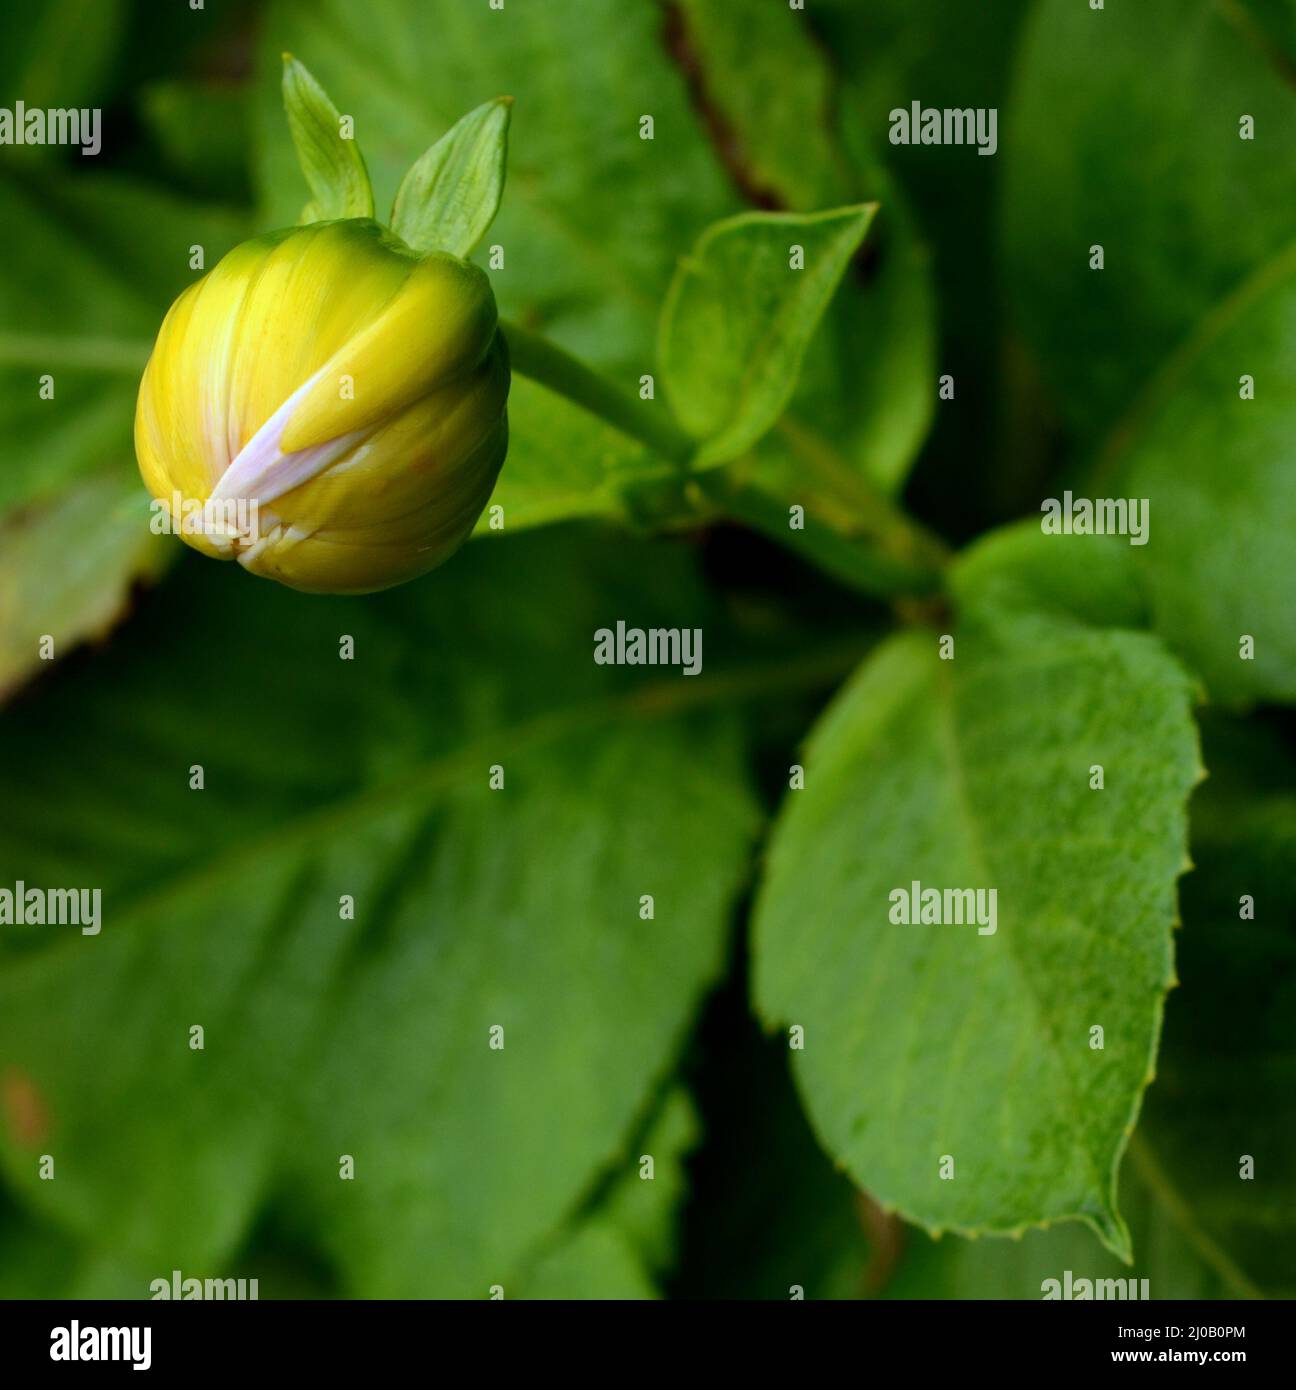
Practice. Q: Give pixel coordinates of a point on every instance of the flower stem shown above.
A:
(646, 421)
(852, 529)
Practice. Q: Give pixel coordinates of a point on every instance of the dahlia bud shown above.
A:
(330, 405)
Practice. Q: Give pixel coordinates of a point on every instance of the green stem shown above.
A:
(545, 362)
(850, 527)
(881, 563)
(855, 531)
(871, 511)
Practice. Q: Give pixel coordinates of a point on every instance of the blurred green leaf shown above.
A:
(927, 1040)
(203, 130)
(596, 1262)
(740, 314)
(979, 461)
(1271, 24)
(1219, 473)
(950, 55)
(449, 197)
(91, 265)
(34, 1260)
(1197, 292)
(67, 568)
(1088, 134)
(473, 907)
(58, 53)
(621, 1247)
(766, 90)
(646, 1208)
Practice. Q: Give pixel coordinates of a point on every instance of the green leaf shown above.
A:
(764, 77)
(92, 264)
(930, 1040)
(1196, 293)
(627, 1242)
(67, 569)
(868, 373)
(1020, 568)
(1219, 563)
(645, 1209)
(1271, 25)
(1200, 284)
(203, 131)
(325, 1036)
(595, 1263)
(33, 1259)
(738, 319)
(332, 162)
(866, 380)
(39, 1261)
(886, 54)
(1224, 1077)
(1221, 205)
(58, 54)
(977, 465)
(451, 193)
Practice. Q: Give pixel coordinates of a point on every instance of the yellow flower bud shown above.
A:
(334, 403)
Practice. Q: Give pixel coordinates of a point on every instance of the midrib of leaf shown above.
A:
(1166, 379)
(963, 805)
(657, 700)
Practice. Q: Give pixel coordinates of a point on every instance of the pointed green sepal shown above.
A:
(451, 194)
(330, 159)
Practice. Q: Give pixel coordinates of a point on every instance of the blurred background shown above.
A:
(327, 1036)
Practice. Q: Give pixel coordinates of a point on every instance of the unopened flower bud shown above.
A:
(334, 403)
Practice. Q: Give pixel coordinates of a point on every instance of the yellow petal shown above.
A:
(436, 327)
(422, 452)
